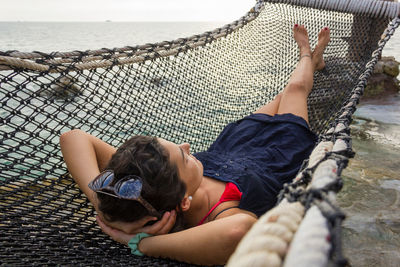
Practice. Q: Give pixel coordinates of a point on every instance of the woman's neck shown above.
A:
(208, 193)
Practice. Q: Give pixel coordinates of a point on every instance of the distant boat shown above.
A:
(108, 20)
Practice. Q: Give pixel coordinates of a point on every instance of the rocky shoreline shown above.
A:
(384, 80)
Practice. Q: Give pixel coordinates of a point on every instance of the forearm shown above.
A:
(208, 244)
(85, 156)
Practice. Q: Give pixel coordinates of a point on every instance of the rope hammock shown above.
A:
(183, 90)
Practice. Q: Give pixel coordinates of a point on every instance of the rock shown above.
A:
(381, 84)
(391, 68)
(385, 59)
(63, 88)
(375, 88)
(393, 85)
(383, 81)
(379, 67)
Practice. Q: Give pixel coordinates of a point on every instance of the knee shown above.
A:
(278, 97)
(296, 88)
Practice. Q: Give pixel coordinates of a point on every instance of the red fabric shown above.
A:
(230, 193)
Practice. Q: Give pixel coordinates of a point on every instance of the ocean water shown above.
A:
(64, 36)
(371, 194)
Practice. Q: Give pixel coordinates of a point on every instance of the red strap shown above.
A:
(231, 193)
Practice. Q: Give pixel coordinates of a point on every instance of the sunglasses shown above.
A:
(128, 188)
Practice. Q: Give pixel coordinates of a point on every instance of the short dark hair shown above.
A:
(162, 187)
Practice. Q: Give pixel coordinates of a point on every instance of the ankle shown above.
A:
(305, 50)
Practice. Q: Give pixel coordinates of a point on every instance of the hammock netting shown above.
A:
(184, 90)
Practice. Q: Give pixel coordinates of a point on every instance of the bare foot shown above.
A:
(317, 54)
(301, 36)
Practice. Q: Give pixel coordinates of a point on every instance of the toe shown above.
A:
(324, 31)
(324, 36)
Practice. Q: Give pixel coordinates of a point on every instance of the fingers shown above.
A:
(115, 234)
(122, 232)
(129, 227)
(105, 228)
(170, 223)
(142, 222)
(163, 225)
(153, 229)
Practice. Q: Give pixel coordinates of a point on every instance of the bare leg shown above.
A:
(272, 107)
(294, 96)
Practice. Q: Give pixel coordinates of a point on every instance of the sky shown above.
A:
(123, 10)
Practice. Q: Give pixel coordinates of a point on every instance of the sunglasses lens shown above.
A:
(130, 189)
(102, 180)
(107, 180)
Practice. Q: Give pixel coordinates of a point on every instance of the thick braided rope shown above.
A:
(314, 187)
(366, 7)
(269, 239)
(310, 245)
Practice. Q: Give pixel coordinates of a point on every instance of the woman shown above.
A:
(207, 201)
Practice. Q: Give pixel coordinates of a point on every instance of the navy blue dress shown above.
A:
(259, 153)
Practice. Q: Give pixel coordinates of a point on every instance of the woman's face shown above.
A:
(189, 168)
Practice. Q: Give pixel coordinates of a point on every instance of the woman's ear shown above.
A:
(185, 203)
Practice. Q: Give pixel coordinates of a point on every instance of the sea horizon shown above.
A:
(114, 21)
(54, 36)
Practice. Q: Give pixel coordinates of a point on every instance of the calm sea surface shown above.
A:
(68, 36)
(371, 195)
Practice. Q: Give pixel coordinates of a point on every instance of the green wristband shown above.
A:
(134, 243)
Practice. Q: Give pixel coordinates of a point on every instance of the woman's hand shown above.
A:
(115, 234)
(119, 231)
(161, 227)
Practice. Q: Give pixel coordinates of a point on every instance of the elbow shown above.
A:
(235, 233)
(240, 225)
(240, 228)
(65, 137)
(69, 137)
